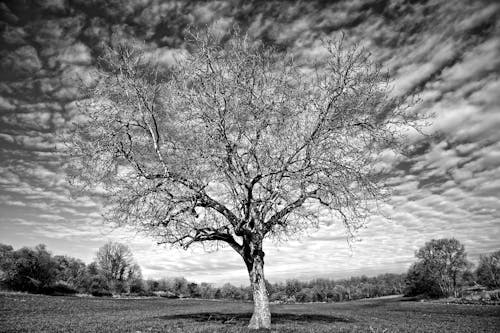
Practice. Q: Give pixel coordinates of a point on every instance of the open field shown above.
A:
(37, 313)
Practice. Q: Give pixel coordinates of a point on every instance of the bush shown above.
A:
(278, 296)
(101, 293)
(120, 287)
(144, 293)
(99, 286)
(137, 286)
(59, 288)
(303, 296)
(23, 283)
(167, 294)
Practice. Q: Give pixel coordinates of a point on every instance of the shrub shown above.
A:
(303, 296)
(59, 288)
(99, 286)
(167, 294)
(101, 293)
(120, 287)
(137, 286)
(278, 296)
(144, 293)
(25, 283)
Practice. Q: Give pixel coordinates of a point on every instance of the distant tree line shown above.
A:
(441, 270)
(317, 290)
(329, 290)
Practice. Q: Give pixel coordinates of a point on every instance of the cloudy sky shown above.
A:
(449, 186)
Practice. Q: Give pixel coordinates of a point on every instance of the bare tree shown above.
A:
(488, 270)
(440, 268)
(237, 143)
(116, 261)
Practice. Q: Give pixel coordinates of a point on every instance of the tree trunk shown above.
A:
(261, 317)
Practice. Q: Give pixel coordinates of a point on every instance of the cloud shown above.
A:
(34, 120)
(20, 63)
(78, 54)
(167, 56)
(476, 63)
(13, 36)
(6, 104)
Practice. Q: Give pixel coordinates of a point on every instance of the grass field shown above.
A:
(37, 313)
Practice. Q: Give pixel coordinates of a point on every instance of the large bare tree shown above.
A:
(237, 143)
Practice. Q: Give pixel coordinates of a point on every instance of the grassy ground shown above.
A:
(36, 313)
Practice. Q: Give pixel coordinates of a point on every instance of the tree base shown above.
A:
(260, 321)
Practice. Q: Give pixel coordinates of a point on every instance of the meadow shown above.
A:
(38, 313)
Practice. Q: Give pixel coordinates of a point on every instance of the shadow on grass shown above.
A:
(380, 302)
(244, 318)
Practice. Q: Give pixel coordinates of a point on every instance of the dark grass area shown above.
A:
(37, 313)
(234, 318)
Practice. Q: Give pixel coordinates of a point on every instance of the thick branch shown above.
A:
(211, 234)
(207, 201)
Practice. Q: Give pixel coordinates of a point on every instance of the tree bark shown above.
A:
(261, 317)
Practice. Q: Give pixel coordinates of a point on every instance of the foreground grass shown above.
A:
(37, 313)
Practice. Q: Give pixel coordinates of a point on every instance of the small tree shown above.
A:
(488, 270)
(236, 144)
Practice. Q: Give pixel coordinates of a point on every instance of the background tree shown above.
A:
(236, 144)
(230, 292)
(97, 283)
(194, 290)
(207, 290)
(116, 262)
(420, 280)
(439, 269)
(339, 292)
(292, 287)
(488, 270)
(70, 270)
(28, 269)
(135, 281)
(179, 286)
(152, 285)
(7, 269)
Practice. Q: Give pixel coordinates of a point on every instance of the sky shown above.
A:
(447, 52)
